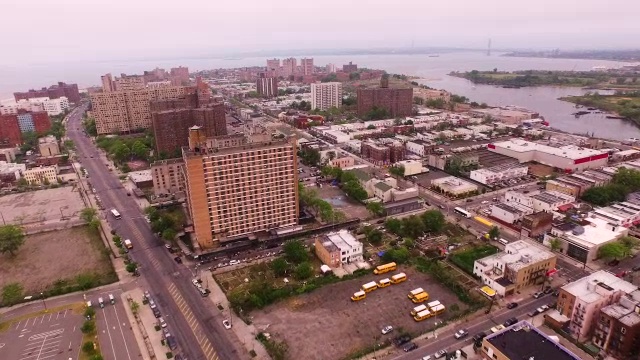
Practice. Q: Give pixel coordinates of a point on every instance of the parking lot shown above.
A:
(42, 205)
(339, 326)
(54, 335)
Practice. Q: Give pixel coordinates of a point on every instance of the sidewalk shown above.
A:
(138, 328)
(150, 340)
(246, 333)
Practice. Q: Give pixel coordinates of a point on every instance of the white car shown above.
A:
(484, 202)
(227, 324)
(461, 333)
(387, 329)
(439, 354)
(234, 262)
(195, 283)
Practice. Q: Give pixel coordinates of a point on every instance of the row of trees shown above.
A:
(619, 249)
(122, 149)
(431, 221)
(294, 262)
(166, 223)
(624, 182)
(348, 182)
(319, 207)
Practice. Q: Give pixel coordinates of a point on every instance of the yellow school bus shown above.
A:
(358, 296)
(433, 304)
(398, 278)
(422, 297)
(384, 283)
(370, 286)
(385, 268)
(415, 292)
(422, 315)
(438, 309)
(418, 309)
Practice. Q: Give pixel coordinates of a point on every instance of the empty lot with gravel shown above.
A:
(326, 324)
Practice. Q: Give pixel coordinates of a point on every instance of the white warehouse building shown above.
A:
(499, 173)
(569, 158)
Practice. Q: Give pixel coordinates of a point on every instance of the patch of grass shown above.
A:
(465, 258)
(278, 350)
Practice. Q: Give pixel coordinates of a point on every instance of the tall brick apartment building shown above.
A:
(12, 126)
(397, 102)
(171, 119)
(382, 154)
(70, 91)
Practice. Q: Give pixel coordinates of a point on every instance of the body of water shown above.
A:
(432, 71)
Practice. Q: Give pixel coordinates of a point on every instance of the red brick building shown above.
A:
(179, 75)
(41, 121)
(304, 121)
(70, 91)
(350, 67)
(10, 135)
(397, 102)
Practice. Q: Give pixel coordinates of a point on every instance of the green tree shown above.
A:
(397, 170)
(139, 150)
(303, 271)
(433, 220)
(69, 145)
(612, 250)
(295, 252)
(96, 357)
(494, 233)
(121, 152)
(11, 239)
(394, 226)
(555, 244)
(409, 243)
(88, 348)
(131, 267)
(375, 208)
(628, 177)
(152, 213)
(279, 266)
(169, 234)
(630, 242)
(88, 214)
(400, 255)
(374, 237)
(88, 327)
(86, 281)
(12, 294)
(89, 312)
(135, 307)
(413, 227)
(376, 113)
(309, 157)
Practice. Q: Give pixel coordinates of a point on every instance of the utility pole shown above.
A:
(43, 302)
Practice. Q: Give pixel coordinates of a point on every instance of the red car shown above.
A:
(622, 273)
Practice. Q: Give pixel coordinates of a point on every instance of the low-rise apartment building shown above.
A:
(499, 173)
(582, 300)
(617, 328)
(624, 214)
(454, 186)
(42, 175)
(168, 176)
(338, 248)
(520, 265)
(510, 213)
(48, 146)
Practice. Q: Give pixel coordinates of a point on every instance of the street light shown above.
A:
(43, 302)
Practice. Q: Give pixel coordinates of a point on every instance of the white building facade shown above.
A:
(324, 96)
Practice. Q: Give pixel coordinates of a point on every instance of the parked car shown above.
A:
(548, 290)
(512, 305)
(461, 333)
(636, 268)
(538, 294)
(428, 357)
(479, 336)
(439, 354)
(510, 322)
(226, 324)
(410, 347)
(178, 259)
(156, 313)
(387, 329)
(401, 340)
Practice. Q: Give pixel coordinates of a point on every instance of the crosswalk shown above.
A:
(205, 344)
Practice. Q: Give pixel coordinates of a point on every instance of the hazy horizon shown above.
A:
(105, 30)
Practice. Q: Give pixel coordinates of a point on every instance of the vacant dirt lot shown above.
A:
(46, 258)
(342, 202)
(325, 324)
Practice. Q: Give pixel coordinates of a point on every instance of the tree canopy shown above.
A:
(11, 239)
(295, 252)
(613, 250)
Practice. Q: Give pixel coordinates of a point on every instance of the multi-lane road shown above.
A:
(194, 320)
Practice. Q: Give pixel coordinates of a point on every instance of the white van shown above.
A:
(163, 324)
(112, 300)
(503, 241)
(101, 302)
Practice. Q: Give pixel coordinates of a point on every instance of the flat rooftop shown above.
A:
(519, 254)
(523, 341)
(343, 239)
(550, 197)
(586, 287)
(569, 151)
(597, 232)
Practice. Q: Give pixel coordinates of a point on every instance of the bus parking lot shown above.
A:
(339, 326)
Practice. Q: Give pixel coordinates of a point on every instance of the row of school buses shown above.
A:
(424, 312)
(370, 286)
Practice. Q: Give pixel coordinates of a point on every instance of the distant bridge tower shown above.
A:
(489, 48)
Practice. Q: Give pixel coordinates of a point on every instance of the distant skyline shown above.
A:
(41, 31)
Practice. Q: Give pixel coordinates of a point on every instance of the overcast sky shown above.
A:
(55, 30)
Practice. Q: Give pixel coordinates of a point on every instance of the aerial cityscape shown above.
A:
(267, 189)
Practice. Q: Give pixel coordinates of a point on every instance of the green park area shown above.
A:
(465, 258)
(624, 104)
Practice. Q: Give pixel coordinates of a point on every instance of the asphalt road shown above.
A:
(114, 331)
(446, 341)
(197, 327)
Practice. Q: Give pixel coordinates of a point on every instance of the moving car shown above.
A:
(461, 333)
(410, 347)
(227, 324)
(387, 329)
(512, 305)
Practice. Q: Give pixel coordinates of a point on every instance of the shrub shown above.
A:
(88, 348)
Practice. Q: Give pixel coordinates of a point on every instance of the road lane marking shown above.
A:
(122, 332)
(109, 333)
